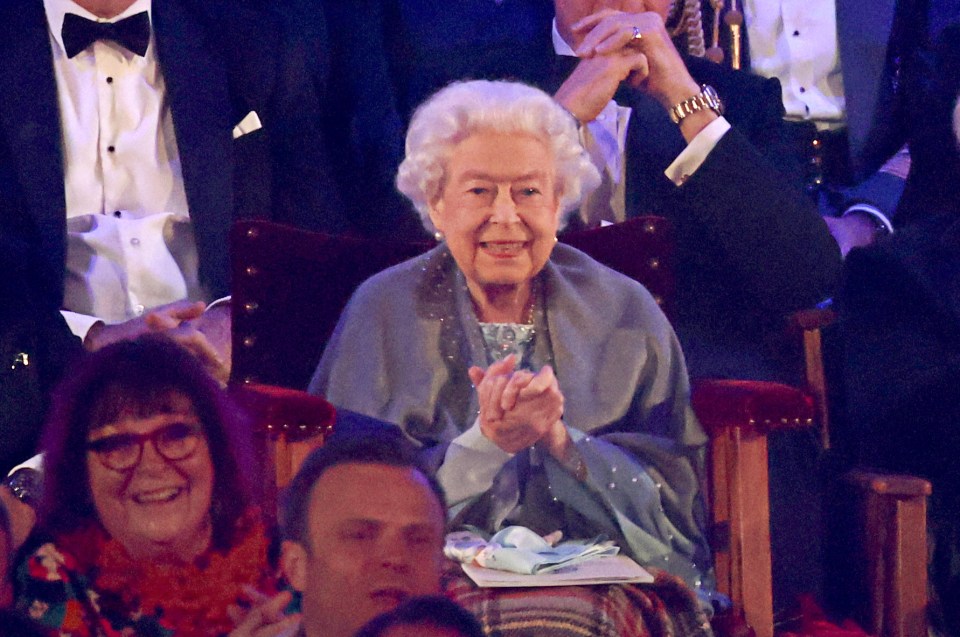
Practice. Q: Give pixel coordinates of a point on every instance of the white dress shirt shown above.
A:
(605, 139)
(130, 242)
(795, 41)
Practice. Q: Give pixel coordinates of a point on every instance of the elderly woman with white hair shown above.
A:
(547, 390)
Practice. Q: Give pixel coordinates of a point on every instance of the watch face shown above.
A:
(26, 484)
(713, 99)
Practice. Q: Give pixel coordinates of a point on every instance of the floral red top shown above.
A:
(83, 584)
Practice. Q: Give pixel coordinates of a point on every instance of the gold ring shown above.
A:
(637, 36)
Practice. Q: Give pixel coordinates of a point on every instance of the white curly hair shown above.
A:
(457, 111)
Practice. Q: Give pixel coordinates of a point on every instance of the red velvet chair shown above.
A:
(289, 287)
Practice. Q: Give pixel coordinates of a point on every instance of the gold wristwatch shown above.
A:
(706, 98)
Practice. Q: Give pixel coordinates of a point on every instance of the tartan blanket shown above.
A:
(665, 608)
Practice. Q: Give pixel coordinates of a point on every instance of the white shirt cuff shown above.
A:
(223, 300)
(79, 324)
(696, 151)
(874, 212)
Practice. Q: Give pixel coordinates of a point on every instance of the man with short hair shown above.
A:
(363, 530)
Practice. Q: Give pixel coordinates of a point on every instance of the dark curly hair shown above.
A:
(139, 376)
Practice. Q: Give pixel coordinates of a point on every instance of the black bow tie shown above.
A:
(131, 33)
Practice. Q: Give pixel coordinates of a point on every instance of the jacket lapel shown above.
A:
(195, 74)
(30, 117)
(863, 28)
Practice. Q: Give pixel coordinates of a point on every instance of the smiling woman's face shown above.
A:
(158, 508)
(499, 209)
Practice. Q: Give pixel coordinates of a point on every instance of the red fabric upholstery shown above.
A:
(641, 248)
(289, 287)
(277, 410)
(757, 406)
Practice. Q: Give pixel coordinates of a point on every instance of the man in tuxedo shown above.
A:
(750, 248)
(839, 64)
(132, 133)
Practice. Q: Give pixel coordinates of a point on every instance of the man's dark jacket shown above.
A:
(219, 62)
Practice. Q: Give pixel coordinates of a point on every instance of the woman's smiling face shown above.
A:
(157, 507)
(499, 207)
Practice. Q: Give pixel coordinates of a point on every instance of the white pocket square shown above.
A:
(250, 123)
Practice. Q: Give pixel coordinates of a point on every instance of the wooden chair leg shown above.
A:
(894, 510)
(741, 523)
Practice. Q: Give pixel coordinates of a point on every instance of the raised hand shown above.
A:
(608, 32)
(596, 79)
(159, 319)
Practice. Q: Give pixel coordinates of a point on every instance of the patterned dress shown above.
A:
(83, 584)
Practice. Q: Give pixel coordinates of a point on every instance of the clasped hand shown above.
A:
(518, 408)
(611, 55)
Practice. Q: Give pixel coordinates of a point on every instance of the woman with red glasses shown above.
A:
(147, 524)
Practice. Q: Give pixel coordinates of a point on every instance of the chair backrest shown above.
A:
(290, 285)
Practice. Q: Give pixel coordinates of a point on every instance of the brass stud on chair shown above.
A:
(658, 299)
(654, 263)
(251, 270)
(248, 341)
(253, 233)
(650, 227)
(251, 306)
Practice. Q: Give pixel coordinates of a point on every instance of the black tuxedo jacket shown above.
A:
(36, 346)
(901, 299)
(219, 62)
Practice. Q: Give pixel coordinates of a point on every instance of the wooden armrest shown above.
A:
(812, 319)
(890, 552)
(738, 415)
(755, 407)
(896, 485)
